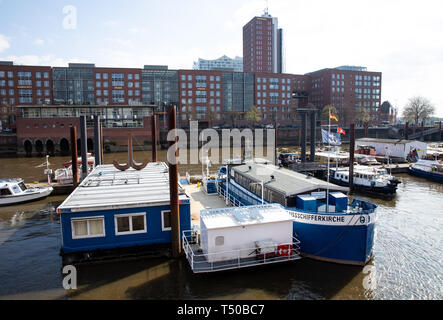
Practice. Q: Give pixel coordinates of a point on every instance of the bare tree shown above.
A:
(418, 108)
(254, 115)
(363, 115)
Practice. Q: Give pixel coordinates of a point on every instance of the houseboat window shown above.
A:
(88, 228)
(130, 223)
(219, 241)
(166, 220)
(5, 192)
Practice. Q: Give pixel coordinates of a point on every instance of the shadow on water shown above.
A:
(173, 279)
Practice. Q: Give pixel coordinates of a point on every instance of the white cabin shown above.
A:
(393, 147)
(233, 233)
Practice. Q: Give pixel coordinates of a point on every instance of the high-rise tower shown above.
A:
(263, 45)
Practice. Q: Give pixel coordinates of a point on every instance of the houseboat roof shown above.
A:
(241, 216)
(283, 180)
(389, 141)
(107, 188)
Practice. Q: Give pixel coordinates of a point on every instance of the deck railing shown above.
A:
(234, 259)
(232, 200)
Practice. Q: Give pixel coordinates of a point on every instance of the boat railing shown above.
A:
(234, 259)
(231, 199)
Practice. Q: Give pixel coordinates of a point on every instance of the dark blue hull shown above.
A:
(344, 238)
(427, 175)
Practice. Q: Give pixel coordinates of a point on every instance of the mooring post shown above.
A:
(313, 131)
(84, 146)
(154, 137)
(97, 141)
(303, 136)
(351, 157)
(102, 140)
(74, 156)
(406, 131)
(173, 183)
(275, 142)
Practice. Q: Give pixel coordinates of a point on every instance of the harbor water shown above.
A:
(407, 262)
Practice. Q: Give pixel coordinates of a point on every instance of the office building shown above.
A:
(263, 45)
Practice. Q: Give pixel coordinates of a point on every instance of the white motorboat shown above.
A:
(14, 191)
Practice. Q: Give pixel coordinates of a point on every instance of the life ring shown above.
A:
(284, 250)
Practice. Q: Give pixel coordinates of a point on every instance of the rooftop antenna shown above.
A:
(266, 8)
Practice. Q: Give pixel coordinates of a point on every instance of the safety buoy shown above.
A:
(284, 250)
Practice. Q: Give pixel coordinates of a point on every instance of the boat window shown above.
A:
(22, 186)
(130, 223)
(5, 192)
(16, 189)
(219, 241)
(88, 228)
(166, 220)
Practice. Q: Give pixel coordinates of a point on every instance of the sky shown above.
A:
(400, 38)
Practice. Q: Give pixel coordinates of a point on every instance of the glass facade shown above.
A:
(160, 86)
(73, 86)
(238, 92)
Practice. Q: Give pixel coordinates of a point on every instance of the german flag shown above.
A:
(340, 130)
(331, 116)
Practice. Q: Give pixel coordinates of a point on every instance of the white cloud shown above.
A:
(39, 42)
(4, 43)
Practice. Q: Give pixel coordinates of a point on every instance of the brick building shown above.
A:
(263, 45)
(349, 89)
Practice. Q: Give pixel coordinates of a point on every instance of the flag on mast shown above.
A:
(331, 138)
(340, 130)
(331, 116)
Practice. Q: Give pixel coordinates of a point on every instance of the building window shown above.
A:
(46, 75)
(88, 227)
(130, 223)
(166, 220)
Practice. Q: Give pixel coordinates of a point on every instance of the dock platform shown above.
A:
(201, 201)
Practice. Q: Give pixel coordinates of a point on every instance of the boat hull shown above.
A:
(25, 198)
(388, 191)
(345, 244)
(340, 238)
(427, 175)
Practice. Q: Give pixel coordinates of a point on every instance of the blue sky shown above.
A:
(400, 38)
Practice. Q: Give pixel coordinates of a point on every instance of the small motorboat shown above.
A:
(431, 170)
(14, 191)
(91, 161)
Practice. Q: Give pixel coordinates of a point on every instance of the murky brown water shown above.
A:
(408, 255)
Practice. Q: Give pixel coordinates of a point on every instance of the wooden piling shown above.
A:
(154, 137)
(84, 146)
(313, 131)
(102, 140)
(74, 156)
(173, 184)
(97, 141)
(351, 157)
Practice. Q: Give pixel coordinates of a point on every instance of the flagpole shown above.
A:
(329, 153)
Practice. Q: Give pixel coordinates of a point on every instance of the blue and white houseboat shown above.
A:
(120, 211)
(327, 226)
